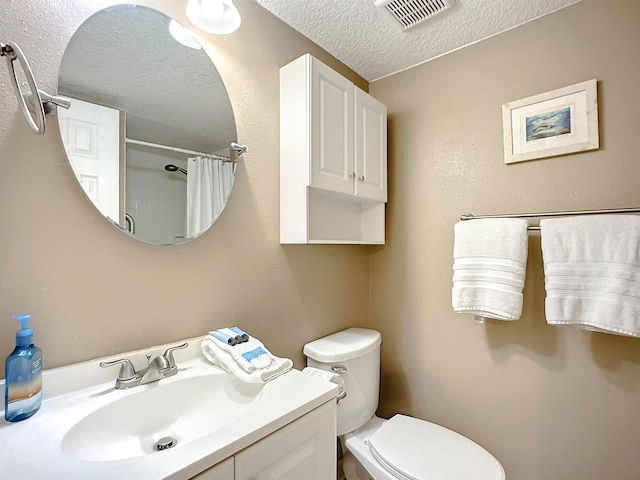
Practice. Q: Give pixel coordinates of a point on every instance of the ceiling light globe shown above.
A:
(214, 16)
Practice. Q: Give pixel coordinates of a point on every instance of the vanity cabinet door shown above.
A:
(304, 449)
(221, 471)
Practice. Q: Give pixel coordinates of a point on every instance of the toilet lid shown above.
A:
(412, 449)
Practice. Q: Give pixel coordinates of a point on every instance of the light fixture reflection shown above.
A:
(181, 35)
(214, 16)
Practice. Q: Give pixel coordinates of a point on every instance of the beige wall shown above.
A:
(550, 403)
(94, 291)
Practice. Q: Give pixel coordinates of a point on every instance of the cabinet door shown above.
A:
(221, 471)
(370, 147)
(332, 165)
(304, 449)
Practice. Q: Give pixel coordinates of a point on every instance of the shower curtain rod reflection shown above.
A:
(178, 150)
(612, 211)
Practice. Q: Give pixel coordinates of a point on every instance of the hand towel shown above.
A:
(490, 257)
(215, 351)
(592, 272)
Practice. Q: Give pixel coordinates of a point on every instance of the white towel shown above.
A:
(592, 272)
(489, 266)
(213, 351)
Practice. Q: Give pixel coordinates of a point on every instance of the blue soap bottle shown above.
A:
(23, 375)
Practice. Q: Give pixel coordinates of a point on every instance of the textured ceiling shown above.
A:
(364, 38)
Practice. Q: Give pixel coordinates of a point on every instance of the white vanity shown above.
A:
(223, 428)
(301, 449)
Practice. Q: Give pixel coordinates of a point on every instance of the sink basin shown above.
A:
(174, 413)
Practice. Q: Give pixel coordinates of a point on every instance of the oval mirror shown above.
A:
(150, 124)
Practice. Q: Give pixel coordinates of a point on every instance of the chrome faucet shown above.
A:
(160, 367)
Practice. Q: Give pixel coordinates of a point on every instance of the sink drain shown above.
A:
(164, 443)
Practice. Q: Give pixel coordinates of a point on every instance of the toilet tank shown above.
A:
(357, 352)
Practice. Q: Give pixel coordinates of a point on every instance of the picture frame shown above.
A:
(553, 123)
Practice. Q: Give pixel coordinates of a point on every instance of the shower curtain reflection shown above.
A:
(209, 184)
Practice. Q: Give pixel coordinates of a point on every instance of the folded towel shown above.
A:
(490, 257)
(252, 363)
(592, 272)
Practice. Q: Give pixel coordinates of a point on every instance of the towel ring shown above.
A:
(13, 52)
(36, 101)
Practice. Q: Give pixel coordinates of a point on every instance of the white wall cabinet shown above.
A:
(303, 449)
(333, 157)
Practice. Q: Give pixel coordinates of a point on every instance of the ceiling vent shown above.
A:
(409, 13)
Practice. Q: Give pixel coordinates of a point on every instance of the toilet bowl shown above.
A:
(401, 448)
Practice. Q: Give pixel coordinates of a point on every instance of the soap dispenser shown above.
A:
(23, 375)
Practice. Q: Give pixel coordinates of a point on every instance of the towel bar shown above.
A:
(471, 216)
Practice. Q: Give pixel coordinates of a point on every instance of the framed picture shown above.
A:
(553, 123)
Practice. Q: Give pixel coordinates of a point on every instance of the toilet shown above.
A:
(402, 447)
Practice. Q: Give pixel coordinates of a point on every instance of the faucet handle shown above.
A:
(127, 371)
(168, 354)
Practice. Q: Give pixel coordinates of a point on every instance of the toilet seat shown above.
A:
(413, 449)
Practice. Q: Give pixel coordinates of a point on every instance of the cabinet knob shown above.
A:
(361, 178)
(352, 175)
